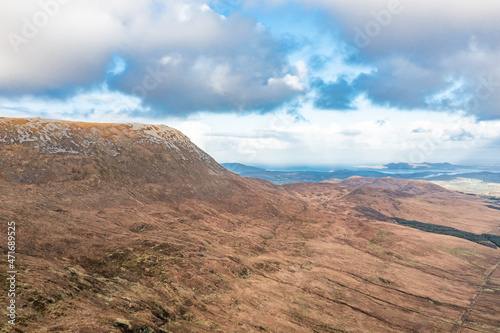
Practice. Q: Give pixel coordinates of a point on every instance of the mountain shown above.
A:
(241, 168)
(132, 228)
(464, 182)
(288, 177)
(485, 176)
(116, 163)
(424, 166)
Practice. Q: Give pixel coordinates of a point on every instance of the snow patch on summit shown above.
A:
(172, 138)
(47, 135)
(62, 137)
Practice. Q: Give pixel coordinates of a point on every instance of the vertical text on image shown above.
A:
(11, 272)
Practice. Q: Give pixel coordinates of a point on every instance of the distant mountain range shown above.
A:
(425, 166)
(485, 176)
(288, 177)
(242, 168)
(425, 171)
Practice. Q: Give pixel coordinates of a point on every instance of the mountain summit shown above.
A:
(33, 150)
(117, 162)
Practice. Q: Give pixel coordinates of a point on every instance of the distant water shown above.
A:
(427, 173)
(389, 171)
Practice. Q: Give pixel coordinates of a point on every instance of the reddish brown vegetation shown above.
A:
(134, 229)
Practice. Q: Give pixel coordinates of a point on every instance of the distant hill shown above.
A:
(288, 177)
(424, 166)
(485, 176)
(414, 187)
(424, 171)
(241, 168)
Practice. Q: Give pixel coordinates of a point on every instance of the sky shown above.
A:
(275, 82)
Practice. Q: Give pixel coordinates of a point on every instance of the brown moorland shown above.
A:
(132, 228)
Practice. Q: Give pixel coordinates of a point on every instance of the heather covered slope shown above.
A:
(132, 228)
(116, 163)
(413, 187)
(37, 151)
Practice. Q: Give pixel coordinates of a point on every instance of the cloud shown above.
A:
(177, 56)
(70, 49)
(184, 56)
(421, 130)
(341, 139)
(463, 135)
(419, 50)
(394, 83)
(337, 95)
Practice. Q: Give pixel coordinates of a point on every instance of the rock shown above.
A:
(123, 324)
